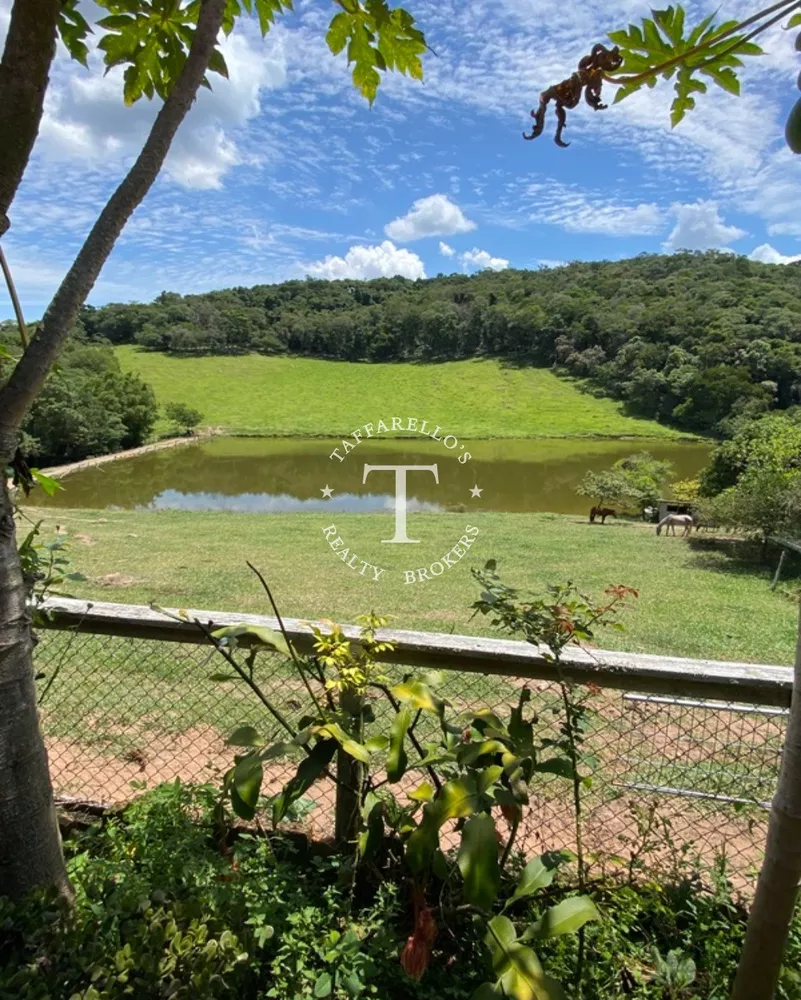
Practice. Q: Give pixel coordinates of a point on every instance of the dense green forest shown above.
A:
(88, 406)
(692, 339)
(701, 341)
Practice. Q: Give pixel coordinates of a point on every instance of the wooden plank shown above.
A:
(745, 683)
(786, 543)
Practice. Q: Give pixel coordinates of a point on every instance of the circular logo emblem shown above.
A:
(407, 481)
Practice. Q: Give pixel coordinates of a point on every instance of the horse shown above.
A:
(682, 520)
(602, 512)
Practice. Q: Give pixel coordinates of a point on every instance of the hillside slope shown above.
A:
(254, 394)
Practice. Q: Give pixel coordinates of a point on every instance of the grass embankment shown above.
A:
(255, 394)
(696, 600)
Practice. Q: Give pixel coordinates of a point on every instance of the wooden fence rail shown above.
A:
(743, 683)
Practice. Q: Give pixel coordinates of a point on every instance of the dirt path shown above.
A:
(59, 471)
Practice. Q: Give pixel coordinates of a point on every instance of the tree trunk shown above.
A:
(777, 887)
(33, 367)
(350, 775)
(30, 844)
(30, 848)
(24, 71)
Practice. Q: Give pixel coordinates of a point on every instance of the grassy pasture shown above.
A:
(255, 394)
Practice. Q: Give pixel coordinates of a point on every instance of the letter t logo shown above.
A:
(400, 494)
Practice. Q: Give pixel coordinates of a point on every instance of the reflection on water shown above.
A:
(281, 474)
(282, 503)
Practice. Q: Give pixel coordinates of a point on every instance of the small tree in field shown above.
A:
(167, 49)
(184, 417)
(610, 487)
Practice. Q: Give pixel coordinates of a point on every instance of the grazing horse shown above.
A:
(682, 520)
(602, 512)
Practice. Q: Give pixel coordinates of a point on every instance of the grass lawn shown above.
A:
(254, 394)
(696, 599)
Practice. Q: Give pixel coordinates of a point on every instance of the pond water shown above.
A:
(284, 474)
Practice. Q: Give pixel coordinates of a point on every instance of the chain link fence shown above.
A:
(676, 781)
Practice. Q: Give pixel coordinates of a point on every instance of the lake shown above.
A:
(285, 474)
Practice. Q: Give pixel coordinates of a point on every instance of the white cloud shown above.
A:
(482, 260)
(85, 120)
(362, 262)
(700, 227)
(766, 254)
(435, 215)
(446, 250)
(577, 210)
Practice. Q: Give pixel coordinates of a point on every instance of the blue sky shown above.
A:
(284, 171)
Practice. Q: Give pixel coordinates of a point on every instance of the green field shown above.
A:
(254, 394)
(697, 600)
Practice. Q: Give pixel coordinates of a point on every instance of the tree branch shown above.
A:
(33, 367)
(24, 74)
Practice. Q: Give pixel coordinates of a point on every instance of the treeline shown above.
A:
(88, 406)
(691, 339)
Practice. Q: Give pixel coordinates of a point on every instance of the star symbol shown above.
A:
(476, 492)
(326, 492)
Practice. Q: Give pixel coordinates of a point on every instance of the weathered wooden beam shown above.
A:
(744, 683)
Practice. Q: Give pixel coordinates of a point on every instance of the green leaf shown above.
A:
(536, 875)
(423, 793)
(49, 485)
(217, 64)
(349, 745)
(562, 766)
(221, 678)
(468, 753)
(418, 695)
(794, 21)
(263, 635)
(565, 918)
(309, 770)
(487, 778)
(398, 759)
(457, 799)
(517, 968)
(244, 736)
(423, 843)
(376, 744)
(338, 33)
(323, 986)
(246, 785)
(478, 861)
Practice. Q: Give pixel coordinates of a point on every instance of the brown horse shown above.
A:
(602, 512)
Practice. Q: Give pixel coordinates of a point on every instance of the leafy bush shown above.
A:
(167, 906)
(88, 407)
(184, 417)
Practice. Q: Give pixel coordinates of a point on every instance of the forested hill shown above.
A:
(693, 339)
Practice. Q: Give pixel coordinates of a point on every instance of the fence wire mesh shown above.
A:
(676, 781)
